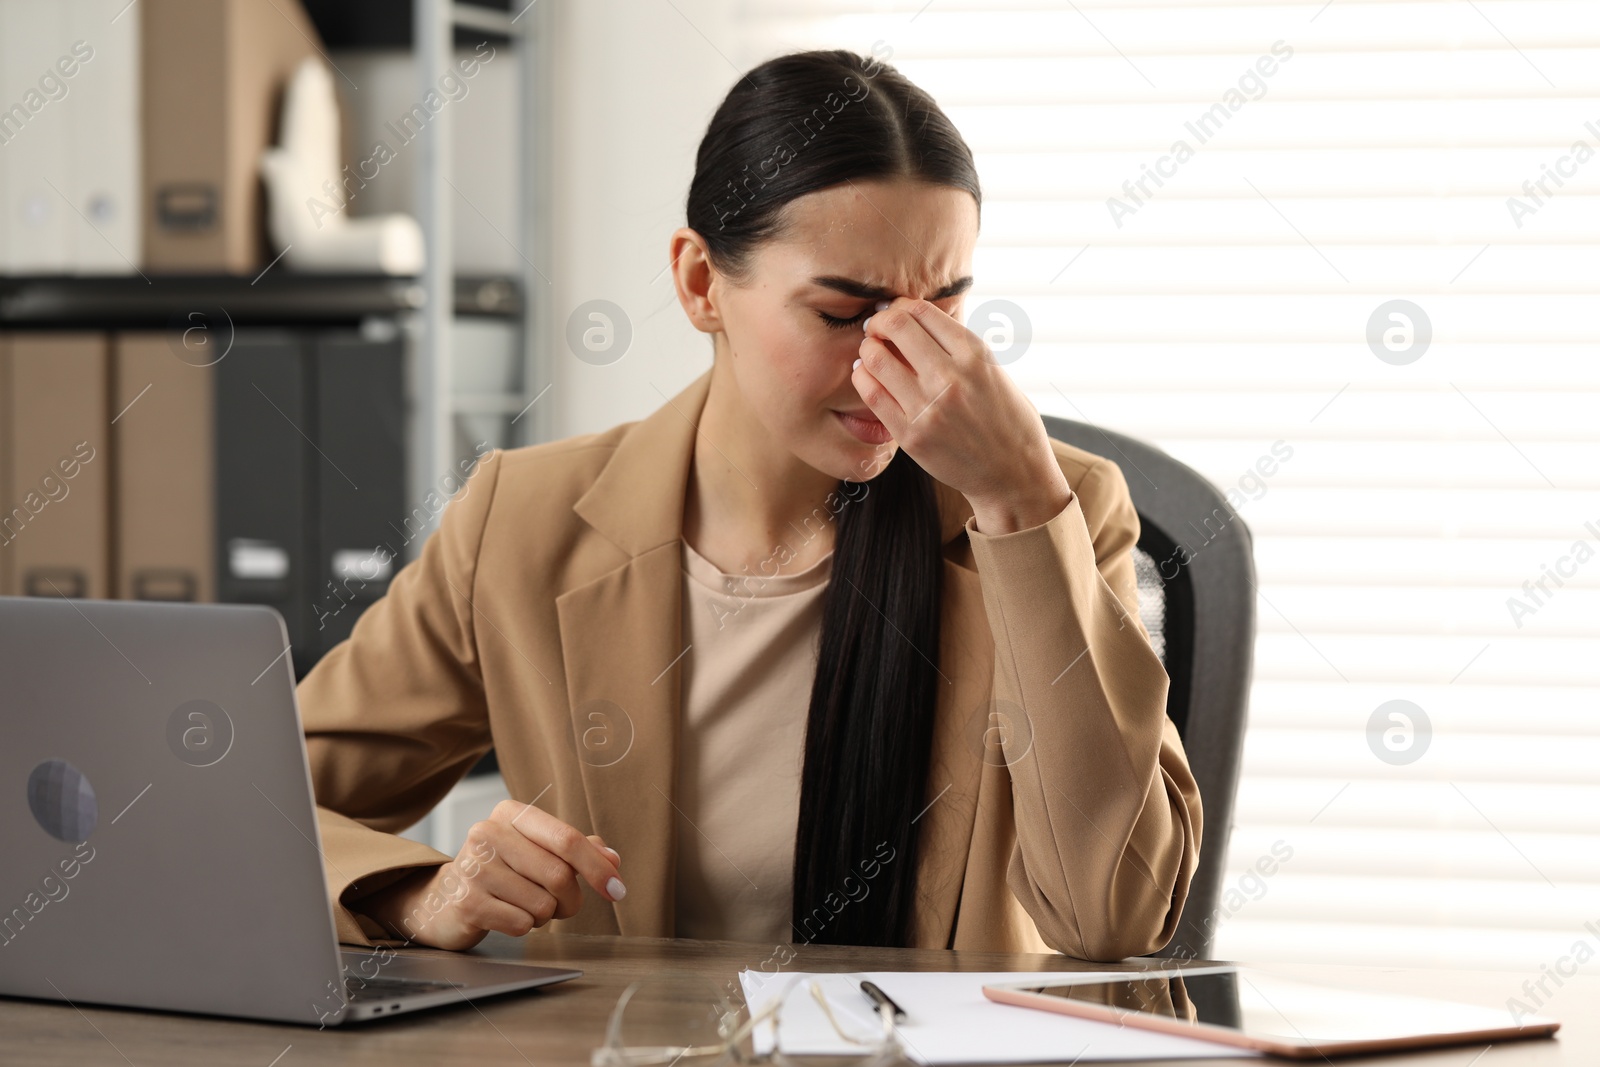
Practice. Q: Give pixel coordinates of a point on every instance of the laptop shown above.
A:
(158, 839)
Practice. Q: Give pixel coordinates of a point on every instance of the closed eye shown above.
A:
(835, 323)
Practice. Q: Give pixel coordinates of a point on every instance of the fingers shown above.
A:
(607, 849)
(897, 323)
(947, 331)
(523, 867)
(890, 371)
(521, 862)
(565, 842)
(493, 913)
(530, 902)
(875, 393)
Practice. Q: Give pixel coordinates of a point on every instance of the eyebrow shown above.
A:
(851, 287)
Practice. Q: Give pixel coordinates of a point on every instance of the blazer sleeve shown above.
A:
(396, 715)
(1107, 812)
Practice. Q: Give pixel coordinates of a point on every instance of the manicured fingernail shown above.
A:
(864, 323)
(856, 364)
(613, 852)
(616, 889)
(880, 305)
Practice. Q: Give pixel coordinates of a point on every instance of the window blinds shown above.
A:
(1205, 211)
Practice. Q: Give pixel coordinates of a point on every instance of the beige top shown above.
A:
(746, 691)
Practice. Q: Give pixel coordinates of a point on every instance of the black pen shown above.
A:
(879, 997)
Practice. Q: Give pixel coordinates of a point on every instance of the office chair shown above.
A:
(1197, 600)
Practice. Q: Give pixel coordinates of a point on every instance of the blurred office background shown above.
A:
(1422, 478)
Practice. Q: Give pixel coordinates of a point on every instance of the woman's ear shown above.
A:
(693, 277)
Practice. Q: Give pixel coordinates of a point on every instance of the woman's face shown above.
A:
(793, 329)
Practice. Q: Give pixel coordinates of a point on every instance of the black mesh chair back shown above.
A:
(1197, 600)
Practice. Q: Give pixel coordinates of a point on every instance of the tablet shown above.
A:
(1255, 1009)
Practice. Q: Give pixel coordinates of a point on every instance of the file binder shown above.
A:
(103, 179)
(35, 137)
(263, 501)
(164, 472)
(360, 476)
(56, 526)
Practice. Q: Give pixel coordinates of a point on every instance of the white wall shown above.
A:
(635, 85)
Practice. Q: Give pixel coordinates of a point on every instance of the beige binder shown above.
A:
(164, 471)
(7, 588)
(55, 525)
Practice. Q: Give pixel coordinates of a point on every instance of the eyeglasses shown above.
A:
(671, 1018)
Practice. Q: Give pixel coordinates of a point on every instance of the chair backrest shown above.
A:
(1197, 599)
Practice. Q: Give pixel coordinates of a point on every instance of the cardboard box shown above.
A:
(213, 73)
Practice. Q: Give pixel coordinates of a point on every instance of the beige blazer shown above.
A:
(544, 617)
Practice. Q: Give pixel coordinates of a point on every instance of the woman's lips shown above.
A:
(864, 428)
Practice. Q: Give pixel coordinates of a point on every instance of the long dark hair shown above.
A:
(793, 125)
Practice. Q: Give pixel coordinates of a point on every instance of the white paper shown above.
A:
(950, 1021)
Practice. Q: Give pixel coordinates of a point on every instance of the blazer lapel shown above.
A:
(960, 735)
(622, 648)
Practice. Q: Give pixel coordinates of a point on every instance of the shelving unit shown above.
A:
(431, 375)
(434, 396)
(424, 307)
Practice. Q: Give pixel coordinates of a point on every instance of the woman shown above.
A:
(837, 645)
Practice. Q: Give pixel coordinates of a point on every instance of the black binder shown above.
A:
(361, 531)
(265, 480)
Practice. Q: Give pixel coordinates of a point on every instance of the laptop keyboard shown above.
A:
(387, 988)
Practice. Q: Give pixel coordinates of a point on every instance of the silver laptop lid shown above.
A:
(157, 828)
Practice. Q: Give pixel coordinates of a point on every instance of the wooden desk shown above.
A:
(560, 1025)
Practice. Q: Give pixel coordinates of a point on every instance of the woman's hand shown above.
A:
(519, 868)
(937, 388)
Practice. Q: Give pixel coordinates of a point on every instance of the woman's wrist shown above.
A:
(392, 905)
(1004, 515)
